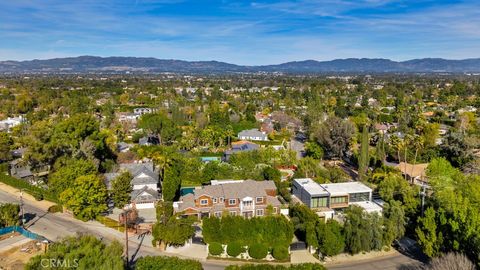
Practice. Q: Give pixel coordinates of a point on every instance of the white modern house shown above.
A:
(252, 135)
(327, 198)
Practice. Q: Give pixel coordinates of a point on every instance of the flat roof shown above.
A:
(369, 207)
(346, 188)
(332, 189)
(310, 186)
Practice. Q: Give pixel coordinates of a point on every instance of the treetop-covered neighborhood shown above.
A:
(248, 167)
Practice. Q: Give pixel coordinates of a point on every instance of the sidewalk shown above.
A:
(302, 256)
(44, 205)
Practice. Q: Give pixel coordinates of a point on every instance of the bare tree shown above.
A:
(451, 261)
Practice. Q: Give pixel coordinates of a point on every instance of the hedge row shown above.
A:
(37, 192)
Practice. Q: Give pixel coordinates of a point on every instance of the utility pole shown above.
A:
(21, 207)
(125, 216)
(423, 193)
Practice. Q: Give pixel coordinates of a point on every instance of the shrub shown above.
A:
(110, 223)
(234, 249)
(167, 263)
(258, 251)
(280, 253)
(215, 248)
(55, 208)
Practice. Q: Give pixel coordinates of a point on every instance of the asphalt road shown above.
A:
(395, 262)
(56, 226)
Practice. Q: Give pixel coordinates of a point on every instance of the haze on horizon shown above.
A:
(240, 32)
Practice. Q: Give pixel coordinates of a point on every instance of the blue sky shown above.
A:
(240, 32)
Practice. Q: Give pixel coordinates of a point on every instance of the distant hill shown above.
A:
(93, 64)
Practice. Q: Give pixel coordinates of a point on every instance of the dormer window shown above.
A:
(259, 199)
(221, 199)
(232, 201)
(203, 202)
(214, 200)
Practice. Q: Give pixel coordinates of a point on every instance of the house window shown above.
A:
(214, 200)
(203, 202)
(233, 213)
(275, 210)
(316, 202)
(359, 197)
(259, 199)
(221, 199)
(232, 201)
(259, 212)
(218, 214)
(337, 200)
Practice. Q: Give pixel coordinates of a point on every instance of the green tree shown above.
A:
(314, 150)
(394, 221)
(121, 189)
(330, 237)
(161, 125)
(9, 215)
(364, 159)
(5, 143)
(86, 197)
(66, 171)
(270, 173)
(394, 187)
(82, 252)
(356, 231)
(428, 236)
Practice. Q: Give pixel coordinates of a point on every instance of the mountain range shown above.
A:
(94, 64)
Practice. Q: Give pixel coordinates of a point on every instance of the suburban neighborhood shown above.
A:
(240, 135)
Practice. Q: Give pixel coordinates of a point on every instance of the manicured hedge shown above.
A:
(215, 248)
(166, 263)
(280, 253)
(234, 249)
(258, 251)
(270, 230)
(38, 193)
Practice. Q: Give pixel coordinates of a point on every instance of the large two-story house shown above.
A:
(325, 199)
(145, 184)
(245, 198)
